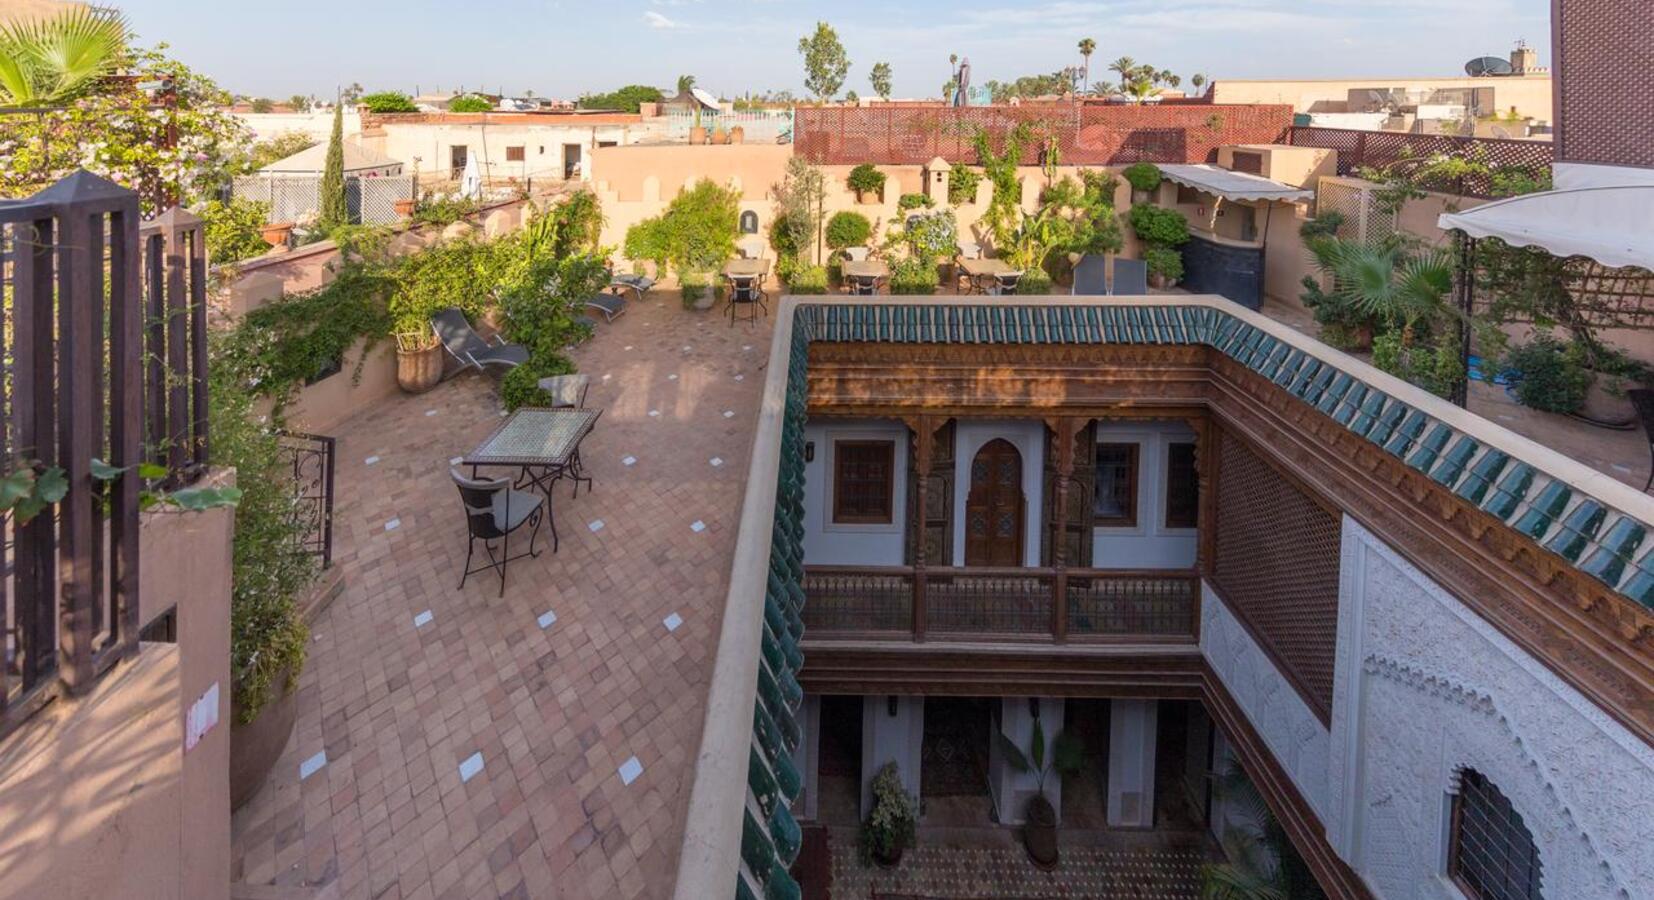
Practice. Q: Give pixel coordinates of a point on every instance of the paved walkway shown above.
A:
(455, 744)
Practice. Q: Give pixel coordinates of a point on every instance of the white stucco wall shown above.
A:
(827, 544)
(1425, 688)
(1149, 544)
(432, 143)
(1029, 439)
(1295, 736)
(1011, 790)
(897, 738)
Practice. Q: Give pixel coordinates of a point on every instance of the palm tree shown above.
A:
(1087, 47)
(1386, 281)
(46, 62)
(1199, 81)
(1126, 67)
(686, 83)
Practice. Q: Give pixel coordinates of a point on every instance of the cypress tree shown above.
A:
(335, 210)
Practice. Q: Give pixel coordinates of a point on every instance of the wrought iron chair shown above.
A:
(493, 510)
(1005, 283)
(744, 290)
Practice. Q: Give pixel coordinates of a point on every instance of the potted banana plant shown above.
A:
(1039, 831)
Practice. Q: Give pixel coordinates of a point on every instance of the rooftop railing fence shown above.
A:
(1359, 150)
(105, 364)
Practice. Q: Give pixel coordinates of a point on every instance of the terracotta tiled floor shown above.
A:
(555, 712)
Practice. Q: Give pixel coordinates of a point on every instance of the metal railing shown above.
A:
(312, 457)
(1042, 604)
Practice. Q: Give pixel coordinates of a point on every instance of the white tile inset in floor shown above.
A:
(595, 525)
(672, 622)
(630, 770)
(697, 526)
(470, 767)
(654, 413)
(716, 461)
(310, 766)
(629, 461)
(672, 377)
(455, 460)
(430, 412)
(547, 619)
(370, 460)
(423, 619)
(729, 413)
(393, 524)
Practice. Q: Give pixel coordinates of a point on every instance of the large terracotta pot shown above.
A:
(1606, 404)
(697, 135)
(276, 233)
(1039, 833)
(417, 371)
(737, 135)
(255, 746)
(720, 136)
(891, 861)
(405, 207)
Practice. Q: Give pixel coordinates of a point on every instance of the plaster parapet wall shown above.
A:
(1530, 94)
(1295, 736)
(90, 789)
(1424, 688)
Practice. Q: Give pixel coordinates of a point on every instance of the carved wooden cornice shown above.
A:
(1594, 638)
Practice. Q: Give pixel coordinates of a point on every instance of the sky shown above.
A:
(562, 48)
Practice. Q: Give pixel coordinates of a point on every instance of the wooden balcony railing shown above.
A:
(1020, 604)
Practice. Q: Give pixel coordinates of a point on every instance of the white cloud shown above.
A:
(656, 20)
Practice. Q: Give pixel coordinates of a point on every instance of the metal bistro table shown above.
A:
(747, 268)
(984, 270)
(544, 444)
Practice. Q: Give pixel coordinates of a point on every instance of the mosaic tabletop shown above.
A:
(534, 436)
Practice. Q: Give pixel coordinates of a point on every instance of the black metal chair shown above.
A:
(744, 290)
(1642, 400)
(493, 510)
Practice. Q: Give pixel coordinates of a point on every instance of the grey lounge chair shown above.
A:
(639, 284)
(469, 349)
(610, 305)
(1091, 276)
(1131, 277)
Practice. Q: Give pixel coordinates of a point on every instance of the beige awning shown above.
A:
(1232, 185)
(1612, 225)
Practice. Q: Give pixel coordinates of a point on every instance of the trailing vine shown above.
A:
(1000, 170)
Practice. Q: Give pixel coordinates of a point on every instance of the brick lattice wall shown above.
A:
(1602, 53)
(1091, 134)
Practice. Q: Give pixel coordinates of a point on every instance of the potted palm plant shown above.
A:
(1039, 831)
(893, 824)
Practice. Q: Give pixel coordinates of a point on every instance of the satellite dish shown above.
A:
(1500, 132)
(1485, 66)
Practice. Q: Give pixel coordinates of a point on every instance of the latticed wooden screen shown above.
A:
(1276, 566)
(1382, 149)
(1086, 134)
(1601, 60)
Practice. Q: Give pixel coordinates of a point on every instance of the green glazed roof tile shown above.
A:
(1424, 456)
(1479, 480)
(756, 849)
(1578, 528)
(1506, 498)
(1545, 509)
(1616, 547)
(1453, 463)
(781, 885)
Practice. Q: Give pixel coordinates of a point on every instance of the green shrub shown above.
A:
(235, 229)
(784, 235)
(932, 236)
(268, 571)
(1034, 282)
(1142, 176)
(848, 229)
(865, 179)
(470, 103)
(543, 300)
(443, 209)
(647, 241)
(462, 272)
(1164, 261)
(962, 183)
(913, 276)
(1325, 225)
(1554, 377)
(701, 226)
(1158, 226)
(626, 99)
(1434, 366)
(387, 102)
(521, 386)
(910, 202)
(807, 280)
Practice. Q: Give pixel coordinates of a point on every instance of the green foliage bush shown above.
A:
(463, 272)
(470, 103)
(1034, 282)
(269, 571)
(913, 276)
(1164, 261)
(848, 229)
(1554, 377)
(235, 229)
(626, 99)
(1325, 225)
(521, 386)
(443, 209)
(695, 234)
(1158, 226)
(910, 202)
(807, 279)
(865, 179)
(962, 183)
(931, 236)
(387, 102)
(1143, 176)
(784, 232)
(1434, 366)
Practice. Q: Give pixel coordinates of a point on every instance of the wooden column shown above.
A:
(1064, 430)
(923, 430)
(1206, 466)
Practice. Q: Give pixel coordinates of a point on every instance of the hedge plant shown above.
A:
(962, 184)
(1143, 176)
(848, 229)
(913, 276)
(807, 279)
(1554, 377)
(1164, 261)
(470, 103)
(1158, 226)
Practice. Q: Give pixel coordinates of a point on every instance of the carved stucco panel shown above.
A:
(1294, 735)
(1435, 689)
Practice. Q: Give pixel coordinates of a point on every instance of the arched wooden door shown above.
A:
(994, 507)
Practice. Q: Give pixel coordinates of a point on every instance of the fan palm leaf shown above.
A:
(49, 61)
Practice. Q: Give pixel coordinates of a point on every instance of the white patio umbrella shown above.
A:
(470, 182)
